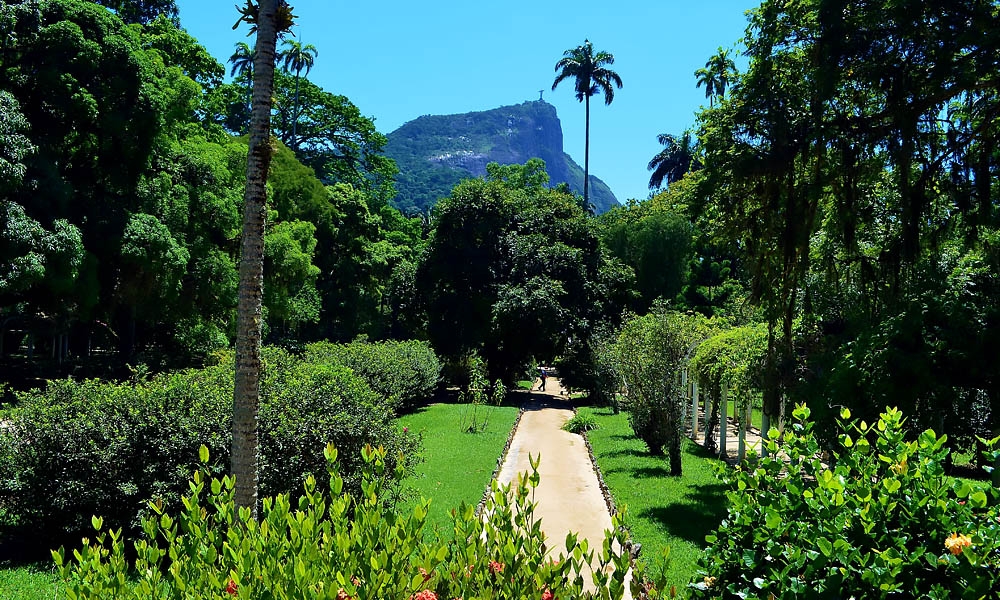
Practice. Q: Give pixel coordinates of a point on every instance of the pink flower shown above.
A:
(547, 595)
(424, 572)
(342, 595)
(424, 595)
(496, 567)
(232, 588)
(406, 429)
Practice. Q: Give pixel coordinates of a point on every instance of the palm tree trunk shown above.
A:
(586, 158)
(246, 395)
(295, 116)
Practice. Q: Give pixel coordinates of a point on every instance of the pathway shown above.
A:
(569, 496)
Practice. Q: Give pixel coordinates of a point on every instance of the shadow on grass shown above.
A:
(700, 512)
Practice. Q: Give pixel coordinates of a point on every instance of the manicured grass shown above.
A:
(663, 511)
(38, 582)
(524, 384)
(457, 464)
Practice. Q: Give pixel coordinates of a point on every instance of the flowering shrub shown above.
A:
(335, 544)
(881, 520)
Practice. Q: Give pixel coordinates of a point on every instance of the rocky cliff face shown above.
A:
(435, 152)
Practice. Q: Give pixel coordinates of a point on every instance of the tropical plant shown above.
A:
(716, 75)
(335, 543)
(269, 19)
(242, 67)
(242, 60)
(679, 155)
(877, 519)
(297, 57)
(592, 76)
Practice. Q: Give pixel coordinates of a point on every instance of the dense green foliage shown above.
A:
(119, 183)
(650, 353)
(337, 544)
(732, 359)
(880, 520)
(532, 276)
(854, 167)
(402, 373)
(80, 449)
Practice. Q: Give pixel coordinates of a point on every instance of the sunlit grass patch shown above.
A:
(457, 464)
(663, 511)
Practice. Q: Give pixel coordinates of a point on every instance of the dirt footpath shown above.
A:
(569, 495)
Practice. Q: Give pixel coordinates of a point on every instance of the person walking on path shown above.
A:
(543, 375)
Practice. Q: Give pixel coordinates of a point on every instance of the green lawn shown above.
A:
(663, 511)
(457, 465)
(38, 582)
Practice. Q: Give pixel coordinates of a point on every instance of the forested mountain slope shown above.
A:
(435, 152)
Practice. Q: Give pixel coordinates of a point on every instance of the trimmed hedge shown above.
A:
(403, 373)
(88, 448)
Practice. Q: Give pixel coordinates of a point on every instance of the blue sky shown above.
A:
(398, 60)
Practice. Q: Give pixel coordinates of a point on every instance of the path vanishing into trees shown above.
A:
(569, 496)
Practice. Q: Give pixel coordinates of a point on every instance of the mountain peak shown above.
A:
(435, 152)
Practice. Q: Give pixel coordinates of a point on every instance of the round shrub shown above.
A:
(403, 373)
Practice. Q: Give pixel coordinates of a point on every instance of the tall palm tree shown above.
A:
(716, 75)
(297, 57)
(592, 77)
(269, 19)
(676, 159)
(242, 61)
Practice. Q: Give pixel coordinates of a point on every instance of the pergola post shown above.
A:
(723, 424)
(694, 409)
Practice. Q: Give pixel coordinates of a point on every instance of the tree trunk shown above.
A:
(713, 421)
(246, 395)
(586, 158)
(674, 440)
(295, 116)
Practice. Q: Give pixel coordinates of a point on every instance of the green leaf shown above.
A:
(772, 519)
(825, 546)
(203, 454)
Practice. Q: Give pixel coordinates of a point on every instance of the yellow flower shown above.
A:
(900, 467)
(956, 542)
(709, 582)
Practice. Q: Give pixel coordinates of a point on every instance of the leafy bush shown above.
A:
(80, 449)
(403, 373)
(649, 355)
(881, 520)
(338, 545)
(581, 423)
(589, 366)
